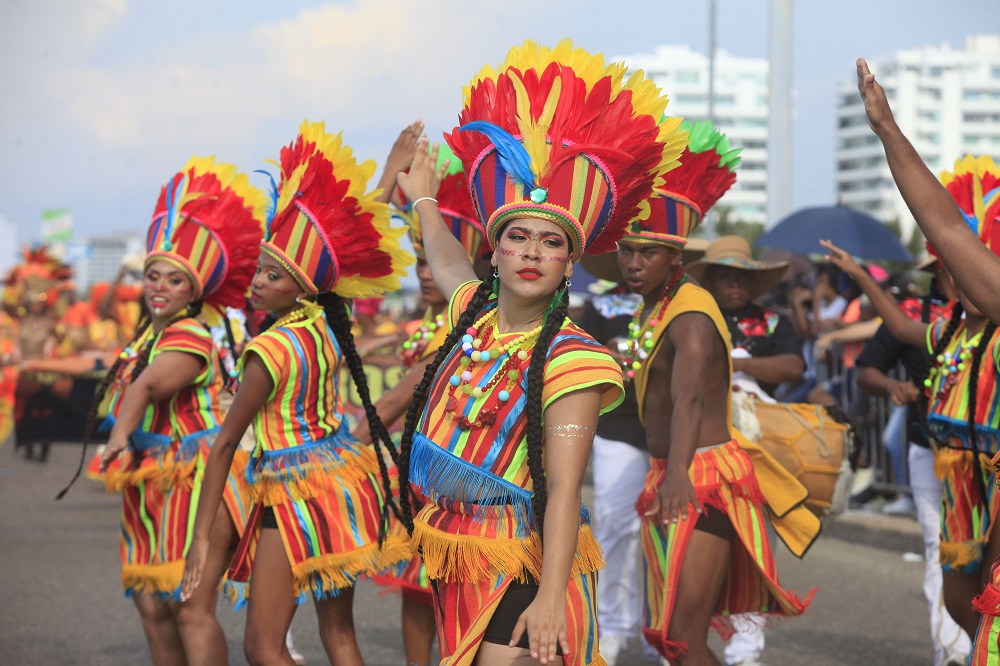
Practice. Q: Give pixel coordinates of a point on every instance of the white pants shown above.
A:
(945, 633)
(619, 475)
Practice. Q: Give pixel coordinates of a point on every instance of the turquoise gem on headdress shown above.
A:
(167, 246)
(539, 195)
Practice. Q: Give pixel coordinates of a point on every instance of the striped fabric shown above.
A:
(319, 479)
(578, 192)
(986, 648)
(299, 246)
(723, 477)
(671, 220)
(160, 479)
(947, 412)
(477, 529)
(967, 518)
(463, 611)
(191, 246)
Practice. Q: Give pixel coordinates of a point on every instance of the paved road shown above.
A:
(61, 600)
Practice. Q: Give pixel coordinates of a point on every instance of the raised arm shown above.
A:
(975, 269)
(255, 386)
(902, 327)
(447, 258)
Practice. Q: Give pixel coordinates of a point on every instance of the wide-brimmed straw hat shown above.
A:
(605, 266)
(734, 252)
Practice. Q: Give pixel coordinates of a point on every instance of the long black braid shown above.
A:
(536, 380)
(337, 316)
(467, 318)
(102, 389)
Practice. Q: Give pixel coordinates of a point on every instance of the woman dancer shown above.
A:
(963, 414)
(165, 406)
(499, 433)
(318, 509)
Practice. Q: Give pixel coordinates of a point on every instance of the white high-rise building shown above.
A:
(99, 258)
(946, 101)
(740, 110)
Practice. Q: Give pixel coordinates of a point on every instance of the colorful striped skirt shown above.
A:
(160, 488)
(328, 504)
(986, 648)
(723, 478)
(967, 516)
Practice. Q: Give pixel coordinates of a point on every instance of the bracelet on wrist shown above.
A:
(414, 204)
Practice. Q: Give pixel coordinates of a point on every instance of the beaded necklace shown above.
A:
(640, 334)
(476, 348)
(947, 367)
(416, 344)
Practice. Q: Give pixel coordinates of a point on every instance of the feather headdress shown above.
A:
(974, 184)
(558, 134)
(324, 228)
(208, 222)
(456, 207)
(706, 172)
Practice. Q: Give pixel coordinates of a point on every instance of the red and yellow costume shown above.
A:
(559, 135)
(319, 480)
(736, 477)
(208, 224)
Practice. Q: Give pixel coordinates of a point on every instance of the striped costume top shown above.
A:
(195, 408)
(303, 446)
(476, 479)
(948, 404)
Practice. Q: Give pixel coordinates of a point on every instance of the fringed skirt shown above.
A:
(970, 503)
(723, 478)
(160, 486)
(328, 502)
(476, 536)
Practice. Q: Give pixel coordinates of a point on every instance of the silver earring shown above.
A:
(568, 283)
(298, 299)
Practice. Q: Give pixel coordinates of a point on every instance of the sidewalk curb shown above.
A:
(895, 533)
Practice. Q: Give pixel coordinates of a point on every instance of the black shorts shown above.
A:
(269, 520)
(716, 522)
(515, 601)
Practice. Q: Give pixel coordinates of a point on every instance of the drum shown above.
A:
(811, 445)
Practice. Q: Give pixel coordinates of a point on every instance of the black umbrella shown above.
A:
(857, 233)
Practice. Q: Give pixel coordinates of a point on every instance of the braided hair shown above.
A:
(467, 318)
(142, 361)
(973, 383)
(554, 317)
(337, 316)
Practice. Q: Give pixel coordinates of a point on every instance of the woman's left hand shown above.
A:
(545, 622)
(116, 445)
(423, 179)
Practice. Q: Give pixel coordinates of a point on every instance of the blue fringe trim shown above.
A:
(291, 463)
(238, 591)
(191, 444)
(150, 444)
(948, 431)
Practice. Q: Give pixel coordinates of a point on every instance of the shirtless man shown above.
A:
(706, 553)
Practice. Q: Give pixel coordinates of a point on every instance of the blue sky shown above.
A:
(101, 101)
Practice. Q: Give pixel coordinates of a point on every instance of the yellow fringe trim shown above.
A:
(313, 480)
(960, 555)
(957, 461)
(337, 571)
(153, 578)
(118, 479)
(454, 558)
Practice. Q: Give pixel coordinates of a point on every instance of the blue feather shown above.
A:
(173, 202)
(272, 208)
(513, 156)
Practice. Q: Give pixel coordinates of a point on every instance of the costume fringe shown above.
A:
(236, 592)
(161, 473)
(162, 579)
(309, 474)
(461, 558)
(327, 575)
(965, 557)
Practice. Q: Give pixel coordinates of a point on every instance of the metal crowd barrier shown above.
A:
(869, 414)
